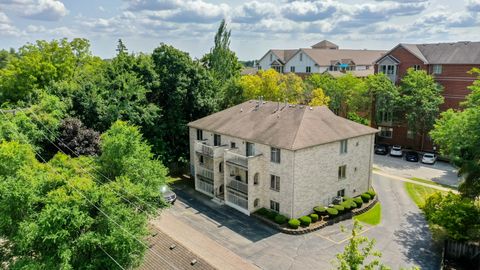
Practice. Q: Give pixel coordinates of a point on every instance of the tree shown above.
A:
(359, 253)
(383, 95)
(456, 132)
(319, 98)
(420, 98)
(76, 139)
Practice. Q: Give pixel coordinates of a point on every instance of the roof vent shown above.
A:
(241, 109)
(193, 262)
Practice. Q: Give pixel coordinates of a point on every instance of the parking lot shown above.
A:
(440, 172)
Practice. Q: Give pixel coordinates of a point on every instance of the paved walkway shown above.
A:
(413, 181)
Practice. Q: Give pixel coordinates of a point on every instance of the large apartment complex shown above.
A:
(323, 57)
(288, 158)
(448, 63)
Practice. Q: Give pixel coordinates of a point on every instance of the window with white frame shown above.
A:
(386, 132)
(275, 182)
(301, 56)
(275, 155)
(271, 57)
(390, 69)
(217, 140)
(341, 193)
(199, 134)
(343, 146)
(416, 67)
(292, 69)
(308, 69)
(275, 206)
(437, 69)
(342, 172)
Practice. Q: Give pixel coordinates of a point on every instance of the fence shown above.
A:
(466, 253)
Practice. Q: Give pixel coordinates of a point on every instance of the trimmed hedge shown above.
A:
(271, 215)
(372, 193)
(280, 219)
(320, 210)
(365, 197)
(262, 212)
(332, 212)
(314, 217)
(294, 223)
(339, 208)
(358, 201)
(347, 205)
(305, 220)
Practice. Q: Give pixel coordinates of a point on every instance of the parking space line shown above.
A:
(318, 234)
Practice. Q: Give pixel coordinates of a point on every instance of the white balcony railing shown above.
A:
(206, 187)
(206, 173)
(237, 200)
(237, 185)
(208, 150)
(238, 159)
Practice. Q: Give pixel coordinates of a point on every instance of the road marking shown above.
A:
(318, 234)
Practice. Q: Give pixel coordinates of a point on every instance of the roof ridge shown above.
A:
(299, 126)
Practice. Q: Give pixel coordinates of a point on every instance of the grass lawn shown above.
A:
(372, 216)
(431, 182)
(419, 193)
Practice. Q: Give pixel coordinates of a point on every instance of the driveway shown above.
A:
(402, 237)
(441, 172)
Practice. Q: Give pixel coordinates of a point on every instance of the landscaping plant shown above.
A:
(294, 223)
(314, 217)
(305, 220)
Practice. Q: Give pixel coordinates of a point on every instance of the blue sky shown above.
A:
(256, 25)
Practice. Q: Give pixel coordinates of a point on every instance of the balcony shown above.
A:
(237, 201)
(205, 173)
(238, 159)
(208, 150)
(237, 185)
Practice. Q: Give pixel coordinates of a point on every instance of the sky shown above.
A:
(256, 26)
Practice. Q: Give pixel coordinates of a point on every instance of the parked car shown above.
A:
(396, 151)
(429, 158)
(168, 195)
(411, 156)
(381, 149)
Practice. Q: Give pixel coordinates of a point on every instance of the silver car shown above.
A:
(396, 151)
(429, 158)
(168, 195)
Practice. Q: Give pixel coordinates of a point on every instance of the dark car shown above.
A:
(411, 156)
(381, 149)
(168, 195)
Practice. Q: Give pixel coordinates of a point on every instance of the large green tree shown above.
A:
(420, 98)
(382, 95)
(457, 134)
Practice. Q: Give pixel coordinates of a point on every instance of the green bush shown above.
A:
(332, 212)
(346, 198)
(305, 220)
(339, 208)
(366, 197)
(262, 212)
(371, 192)
(353, 204)
(314, 217)
(271, 215)
(320, 210)
(280, 219)
(346, 205)
(358, 201)
(294, 223)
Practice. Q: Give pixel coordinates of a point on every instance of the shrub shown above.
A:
(372, 193)
(271, 215)
(353, 204)
(305, 220)
(320, 210)
(294, 223)
(332, 212)
(346, 198)
(366, 197)
(280, 219)
(358, 201)
(339, 208)
(346, 205)
(314, 217)
(262, 212)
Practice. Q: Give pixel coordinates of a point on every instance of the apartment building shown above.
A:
(284, 157)
(323, 57)
(448, 63)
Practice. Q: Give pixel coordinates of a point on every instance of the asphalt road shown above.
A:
(403, 236)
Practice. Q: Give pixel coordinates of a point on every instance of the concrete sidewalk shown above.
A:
(413, 181)
(206, 248)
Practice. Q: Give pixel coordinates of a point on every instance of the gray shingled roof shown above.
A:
(451, 53)
(284, 55)
(325, 44)
(324, 57)
(290, 127)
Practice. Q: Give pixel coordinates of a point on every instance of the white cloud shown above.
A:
(6, 28)
(44, 10)
(473, 5)
(308, 11)
(254, 11)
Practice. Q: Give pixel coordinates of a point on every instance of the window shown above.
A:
(250, 149)
(275, 182)
(386, 132)
(301, 56)
(308, 69)
(343, 146)
(220, 167)
(233, 145)
(292, 68)
(367, 67)
(199, 134)
(256, 202)
(390, 69)
(341, 193)
(342, 172)
(255, 179)
(410, 134)
(271, 57)
(217, 140)
(275, 155)
(275, 206)
(333, 68)
(437, 69)
(416, 67)
(201, 160)
(278, 69)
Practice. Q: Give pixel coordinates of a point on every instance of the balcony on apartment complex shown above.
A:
(239, 160)
(204, 180)
(201, 147)
(235, 183)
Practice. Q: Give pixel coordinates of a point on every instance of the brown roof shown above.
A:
(359, 57)
(284, 55)
(356, 73)
(291, 127)
(249, 71)
(325, 44)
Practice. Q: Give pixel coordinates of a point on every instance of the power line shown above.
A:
(89, 201)
(115, 261)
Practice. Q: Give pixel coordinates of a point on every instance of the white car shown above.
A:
(429, 158)
(396, 151)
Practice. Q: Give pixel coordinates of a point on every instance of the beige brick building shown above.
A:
(284, 157)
